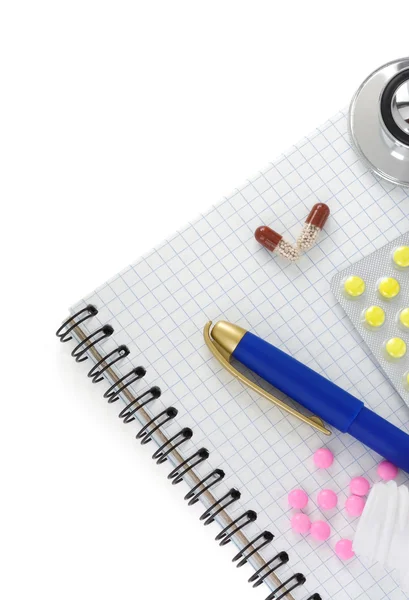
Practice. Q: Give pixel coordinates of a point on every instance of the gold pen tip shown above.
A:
(227, 335)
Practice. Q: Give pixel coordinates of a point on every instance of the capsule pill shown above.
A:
(314, 223)
(275, 242)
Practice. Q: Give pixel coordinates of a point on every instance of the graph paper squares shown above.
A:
(214, 269)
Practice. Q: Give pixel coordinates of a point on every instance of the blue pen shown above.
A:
(314, 392)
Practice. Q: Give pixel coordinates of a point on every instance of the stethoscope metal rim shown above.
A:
(379, 140)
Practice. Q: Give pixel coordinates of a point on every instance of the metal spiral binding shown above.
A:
(162, 418)
(112, 394)
(186, 466)
(210, 514)
(280, 559)
(228, 532)
(298, 579)
(162, 453)
(266, 537)
(97, 371)
(214, 477)
(70, 324)
(180, 471)
(128, 413)
(80, 350)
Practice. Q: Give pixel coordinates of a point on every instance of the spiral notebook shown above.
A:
(142, 333)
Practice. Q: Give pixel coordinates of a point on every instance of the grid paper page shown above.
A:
(214, 269)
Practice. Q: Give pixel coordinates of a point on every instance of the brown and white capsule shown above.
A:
(274, 242)
(314, 223)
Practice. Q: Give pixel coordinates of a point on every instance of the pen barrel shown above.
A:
(323, 398)
(378, 434)
(316, 393)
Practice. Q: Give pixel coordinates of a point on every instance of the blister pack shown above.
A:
(374, 292)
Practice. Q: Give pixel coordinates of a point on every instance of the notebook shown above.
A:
(239, 454)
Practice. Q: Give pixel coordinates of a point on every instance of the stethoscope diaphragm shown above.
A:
(379, 121)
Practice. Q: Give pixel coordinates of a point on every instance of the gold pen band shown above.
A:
(222, 342)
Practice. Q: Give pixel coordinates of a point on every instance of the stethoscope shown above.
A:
(379, 121)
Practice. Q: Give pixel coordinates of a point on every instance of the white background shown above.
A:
(120, 121)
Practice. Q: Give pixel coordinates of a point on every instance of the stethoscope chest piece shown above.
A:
(379, 121)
